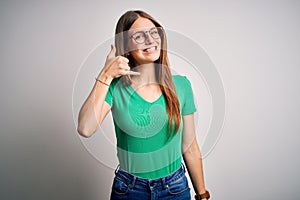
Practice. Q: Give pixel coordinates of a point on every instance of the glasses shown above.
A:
(140, 36)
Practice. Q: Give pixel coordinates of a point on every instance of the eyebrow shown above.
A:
(142, 29)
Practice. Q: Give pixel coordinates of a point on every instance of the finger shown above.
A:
(124, 66)
(133, 73)
(122, 59)
(128, 72)
(112, 52)
(123, 72)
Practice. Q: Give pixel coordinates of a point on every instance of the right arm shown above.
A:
(94, 109)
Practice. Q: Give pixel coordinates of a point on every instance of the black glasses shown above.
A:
(140, 36)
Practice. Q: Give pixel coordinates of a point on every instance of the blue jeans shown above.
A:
(128, 186)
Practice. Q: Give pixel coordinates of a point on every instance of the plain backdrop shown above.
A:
(255, 46)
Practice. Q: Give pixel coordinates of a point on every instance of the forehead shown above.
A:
(142, 23)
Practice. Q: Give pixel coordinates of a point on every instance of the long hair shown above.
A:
(162, 69)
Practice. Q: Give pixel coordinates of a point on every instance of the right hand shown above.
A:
(116, 66)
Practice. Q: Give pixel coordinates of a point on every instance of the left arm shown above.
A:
(192, 155)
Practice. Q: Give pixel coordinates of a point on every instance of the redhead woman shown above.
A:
(153, 115)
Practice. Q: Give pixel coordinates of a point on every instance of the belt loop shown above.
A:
(117, 169)
(132, 182)
(163, 180)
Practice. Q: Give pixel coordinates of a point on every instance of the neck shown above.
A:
(147, 74)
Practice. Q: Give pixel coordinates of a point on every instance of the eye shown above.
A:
(154, 34)
(137, 35)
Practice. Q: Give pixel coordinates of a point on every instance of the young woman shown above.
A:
(152, 112)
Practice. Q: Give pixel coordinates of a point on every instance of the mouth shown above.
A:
(150, 49)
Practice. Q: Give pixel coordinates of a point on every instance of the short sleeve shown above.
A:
(189, 103)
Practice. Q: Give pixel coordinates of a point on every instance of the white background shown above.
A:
(253, 44)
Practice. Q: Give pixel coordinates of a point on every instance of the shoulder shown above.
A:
(182, 85)
(185, 94)
(181, 81)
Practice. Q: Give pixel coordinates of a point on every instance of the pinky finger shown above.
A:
(133, 73)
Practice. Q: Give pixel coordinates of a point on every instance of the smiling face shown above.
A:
(144, 42)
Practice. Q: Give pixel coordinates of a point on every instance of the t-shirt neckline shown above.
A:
(142, 98)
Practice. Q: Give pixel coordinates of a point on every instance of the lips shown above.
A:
(150, 49)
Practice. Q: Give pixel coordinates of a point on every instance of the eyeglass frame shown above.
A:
(146, 35)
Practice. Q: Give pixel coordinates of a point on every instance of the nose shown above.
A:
(148, 38)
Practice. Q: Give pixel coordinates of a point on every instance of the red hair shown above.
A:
(162, 71)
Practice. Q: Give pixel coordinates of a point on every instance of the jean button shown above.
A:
(153, 183)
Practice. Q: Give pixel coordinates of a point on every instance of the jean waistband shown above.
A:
(131, 179)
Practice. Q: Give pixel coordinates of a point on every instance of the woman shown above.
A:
(152, 112)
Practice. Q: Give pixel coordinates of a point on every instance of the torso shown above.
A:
(150, 92)
(141, 125)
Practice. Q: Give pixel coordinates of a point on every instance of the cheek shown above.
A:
(134, 47)
(137, 55)
(136, 52)
(158, 43)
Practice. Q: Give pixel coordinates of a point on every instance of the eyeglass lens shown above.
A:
(141, 36)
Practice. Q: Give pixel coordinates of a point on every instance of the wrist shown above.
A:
(103, 76)
(200, 190)
(203, 196)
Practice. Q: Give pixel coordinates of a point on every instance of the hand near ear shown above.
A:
(116, 66)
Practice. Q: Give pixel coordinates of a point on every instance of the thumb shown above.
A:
(112, 52)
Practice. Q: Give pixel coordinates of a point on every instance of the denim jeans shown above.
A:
(128, 186)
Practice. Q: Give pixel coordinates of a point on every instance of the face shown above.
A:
(144, 41)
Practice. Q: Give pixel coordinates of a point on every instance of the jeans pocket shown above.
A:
(178, 186)
(119, 186)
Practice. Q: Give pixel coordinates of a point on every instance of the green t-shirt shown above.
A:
(144, 145)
